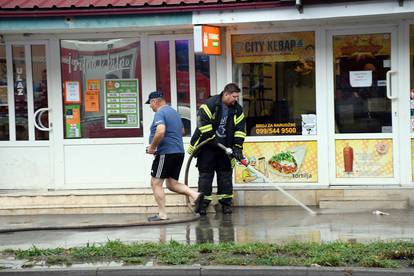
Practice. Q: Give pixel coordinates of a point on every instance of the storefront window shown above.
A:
(40, 87)
(277, 76)
(183, 84)
(412, 75)
(20, 92)
(4, 106)
(162, 65)
(202, 67)
(182, 76)
(360, 66)
(102, 88)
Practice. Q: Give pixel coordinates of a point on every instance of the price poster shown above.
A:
(94, 84)
(121, 103)
(92, 101)
(72, 92)
(72, 121)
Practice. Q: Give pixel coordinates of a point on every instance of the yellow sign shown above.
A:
(364, 158)
(279, 162)
(362, 46)
(279, 47)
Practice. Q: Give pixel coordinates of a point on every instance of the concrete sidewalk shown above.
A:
(264, 224)
(248, 224)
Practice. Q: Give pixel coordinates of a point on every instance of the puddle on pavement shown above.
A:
(266, 224)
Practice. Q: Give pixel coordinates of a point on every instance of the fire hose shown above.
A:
(245, 163)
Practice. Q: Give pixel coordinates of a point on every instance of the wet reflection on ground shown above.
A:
(269, 224)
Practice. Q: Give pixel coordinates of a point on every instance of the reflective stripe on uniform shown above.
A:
(197, 142)
(240, 134)
(224, 196)
(209, 198)
(207, 111)
(206, 128)
(237, 120)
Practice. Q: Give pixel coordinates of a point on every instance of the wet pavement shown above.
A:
(247, 224)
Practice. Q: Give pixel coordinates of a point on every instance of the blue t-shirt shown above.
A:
(173, 138)
(221, 130)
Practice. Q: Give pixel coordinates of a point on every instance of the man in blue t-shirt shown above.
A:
(166, 143)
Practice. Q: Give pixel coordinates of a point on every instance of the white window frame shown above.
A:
(151, 69)
(368, 181)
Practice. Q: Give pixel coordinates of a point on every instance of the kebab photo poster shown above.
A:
(364, 158)
(279, 162)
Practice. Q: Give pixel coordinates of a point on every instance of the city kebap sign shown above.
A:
(121, 103)
(255, 48)
(207, 40)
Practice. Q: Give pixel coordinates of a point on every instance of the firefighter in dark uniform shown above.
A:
(220, 120)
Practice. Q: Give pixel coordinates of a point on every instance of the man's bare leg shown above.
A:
(175, 186)
(159, 195)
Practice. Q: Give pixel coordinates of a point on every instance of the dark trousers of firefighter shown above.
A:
(212, 159)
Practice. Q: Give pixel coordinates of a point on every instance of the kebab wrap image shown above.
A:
(286, 163)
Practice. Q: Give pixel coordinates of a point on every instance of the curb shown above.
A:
(209, 270)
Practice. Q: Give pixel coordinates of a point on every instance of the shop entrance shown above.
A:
(25, 122)
(363, 107)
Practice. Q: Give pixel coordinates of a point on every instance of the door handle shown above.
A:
(37, 122)
(389, 88)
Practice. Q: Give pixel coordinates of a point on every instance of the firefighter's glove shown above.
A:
(238, 153)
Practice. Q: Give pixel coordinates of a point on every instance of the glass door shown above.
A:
(363, 112)
(24, 116)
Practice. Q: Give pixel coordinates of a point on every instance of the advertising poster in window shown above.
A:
(92, 101)
(72, 92)
(364, 158)
(72, 121)
(121, 103)
(360, 47)
(94, 84)
(279, 162)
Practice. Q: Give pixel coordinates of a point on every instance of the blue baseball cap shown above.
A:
(154, 95)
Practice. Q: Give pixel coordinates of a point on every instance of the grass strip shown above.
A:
(397, 254)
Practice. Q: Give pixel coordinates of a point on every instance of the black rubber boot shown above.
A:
(204, 206)
(226, 209)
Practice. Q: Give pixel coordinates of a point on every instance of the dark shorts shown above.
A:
(167, 165)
